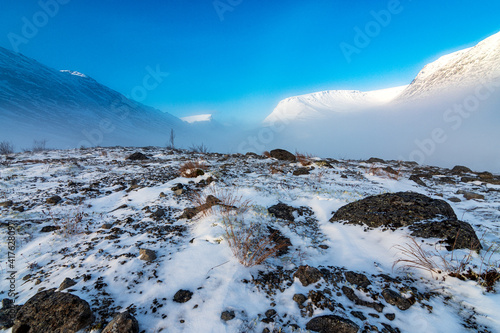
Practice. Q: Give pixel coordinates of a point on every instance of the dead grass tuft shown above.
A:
(192, 169)
(304, 159)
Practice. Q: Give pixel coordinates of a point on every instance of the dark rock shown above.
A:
(177, 187)
(122, 323)
(357, 279)
(137, 156)
(8, 313)
(7, 203)
(471, 195)
(282, 211)
(147, 255)
(323, 163)
(396, 299)
(468, 179)
(227, 315)
(66, 284)
(299, 298)
(307, 275)
(158, 214)
(53, 200)
(394, 210)
(459, 169)
(417, 180)
(270, 313)
(485, 175)
(351, 295)
(457, 234)
(189, 213)
(390, 316)
(281, 242)
(454, 199)
(53, 312)
(50, 228)
(282, 155)
(359, 315)
(389, 329)
(301, 171)
(182, 296)
(332, 324)
(106, 226)
(19, 209)
(375, 160)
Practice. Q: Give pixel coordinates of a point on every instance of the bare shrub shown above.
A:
(304, 159)
(200, 148)
(39, 146)
(192, 169)
(6, 148)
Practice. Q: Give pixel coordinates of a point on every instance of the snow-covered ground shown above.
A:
(102, 187)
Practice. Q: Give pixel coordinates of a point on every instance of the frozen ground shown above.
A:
(107, 214)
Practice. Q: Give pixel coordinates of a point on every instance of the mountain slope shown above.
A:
(70, 109)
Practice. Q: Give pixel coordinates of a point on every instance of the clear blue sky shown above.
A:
(240, 67)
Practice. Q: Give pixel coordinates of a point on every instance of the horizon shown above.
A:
(236, 60)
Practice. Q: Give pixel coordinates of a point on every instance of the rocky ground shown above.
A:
(161, 240)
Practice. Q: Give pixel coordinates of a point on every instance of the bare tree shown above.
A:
(6, 148)
(171, 143)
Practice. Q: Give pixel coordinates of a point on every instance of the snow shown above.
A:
(197, 118)
(200, 260)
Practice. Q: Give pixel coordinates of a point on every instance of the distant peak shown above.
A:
(197, 118)
(73, 73)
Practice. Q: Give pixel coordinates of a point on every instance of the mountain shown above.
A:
(70, 109)
(449, 114)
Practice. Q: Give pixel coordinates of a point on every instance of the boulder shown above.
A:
(457, 234)
(282, 211)
(227, 315)
(54, 200)
(396, 299)
(66, 284)
(147, 255)
(122, 323)
(282, 155)
(332, 324)
(137, 156)
(307, 275)
(182, 296)
(399, 209)
(8, 313)
(51, 311)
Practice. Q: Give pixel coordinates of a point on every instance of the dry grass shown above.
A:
(304, 159)
(266, 154)
(250, 246)
(386, 172)
(227, 201)
(191, 169)
(415, 256)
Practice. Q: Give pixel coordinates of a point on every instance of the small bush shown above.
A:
(201, 148)
(6, 148)
(39, 146)
(192, 169)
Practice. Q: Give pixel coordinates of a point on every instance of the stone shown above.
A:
(357, 279)
(459, 169)
(50, 228)
(53, 312)
(227, 315)
(54, 200)
(332, 324)
(8, 313)
(66, 284)
(307, 275)
(299, 298)
(417, 180)
(454, 199)
(390, 316)
(147, 255)
(158, 214)
(282, 155)
(301, 171)
(123, 322)
(471, 195)
(7, 203)
(182, 296)
(282, 211)
(399, 209)
(457, 234)
(137, 156)
(396, 299)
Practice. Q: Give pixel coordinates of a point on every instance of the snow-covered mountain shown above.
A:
(448, 115)
(70, 109)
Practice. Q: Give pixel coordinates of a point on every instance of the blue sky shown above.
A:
(239, 58)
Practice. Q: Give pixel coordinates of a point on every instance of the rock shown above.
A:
(307, 275)
(8, 313)
(19, 209)
(177, 187)
(158, 214)
(122, 323)
(106, 226)
(301, 171)
(50, 228)
(182, 296)
(282, 211)
(66, 284)
(299, 298)
(53, 312)
(7, 203)
(147, 255)
(227, 315)
(270, 313)
(359, 315)
(323, 163)
(281, 242)
(282, 155)
(471, 195)
(351, 295)
(375, 160)
(457, 234)
(332, 324)
(54, 200)
(454, 199)
(357, 279)
(396, 299)
(137, 156)
(189, 213)
(485, 175)
(394, 210)
(390, 316)
(417, 180)
(459, 169)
